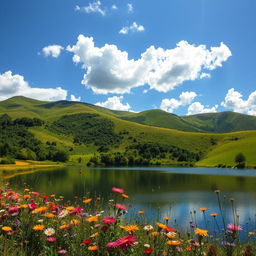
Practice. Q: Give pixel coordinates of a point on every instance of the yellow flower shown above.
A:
(141, 212)
(171, 235)
(40, 209)
(174, 242)
(23, 206)
(203, 209)
(94, 234)
(87, 201)
(74, 222)
(160, 225)
(201, 232)
(38, 227)
(154, 233)
(49, 215)
(92, 219)
(93, 248)
(130, 228)
(65, 226)
(70, 208)
(6, 228)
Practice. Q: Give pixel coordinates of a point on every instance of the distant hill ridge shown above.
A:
(222, 122)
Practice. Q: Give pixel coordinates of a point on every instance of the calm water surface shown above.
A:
(173, 192)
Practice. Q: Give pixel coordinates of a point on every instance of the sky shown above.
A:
(182, 56)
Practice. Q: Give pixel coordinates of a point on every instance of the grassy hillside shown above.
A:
(64, 122)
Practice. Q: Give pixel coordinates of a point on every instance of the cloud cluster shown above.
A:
(185, 98)
(15, 85)
(74, 98)
(109, 70)
(52, 50)
(130, 8)
(94, 7)
(198, 108)
(233, 100)
(114, 103)
(133, 28)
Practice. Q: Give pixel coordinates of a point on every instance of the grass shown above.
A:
(36, 224)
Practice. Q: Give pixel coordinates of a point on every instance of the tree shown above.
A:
(240, 160)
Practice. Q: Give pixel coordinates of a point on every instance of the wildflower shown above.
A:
(49, 215)
(86, 241)
(154, 233)
(123, 242)
(109, 220)
(63, 213)
(32, 206)
(38, 227)
(130, 228)
(40, 210)
(120, 206)
(94, 235)
(51, 239)
(62, 251)
(148, 250)
(76, 211)
(26, 196)
(23, 206)
(125, 196)
(118, 190)
(49, 232)
(74, 222)
(87, 201)
(70, 208)
(13, 211)
(160, 225)
(213, 214)
(174, 242)
(201, 232)
(141, 212)
(148, 228)
(171, 235)
(203, 209)
(65, 226)
(234, 227)
(6, 229)
(147, 245)
(167, 218)
(93, 248)
(92, 219)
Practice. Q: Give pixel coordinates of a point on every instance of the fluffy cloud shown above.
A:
(15, 85)
(133, 28)
(198, 108)
(114, 103)
(233, 100)
(73, 98)
(185, 98)
(114, 7)
(52, 50)
(109, 70)
(130, 8)
(94, 7)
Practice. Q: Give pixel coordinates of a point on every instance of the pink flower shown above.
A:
(51, 239)
(13, 211)
(118, 190)
(234, 227)
(120, 206)
(32, 206)
(109, 220)
(62, 251)
(77, 210)
(123, 242)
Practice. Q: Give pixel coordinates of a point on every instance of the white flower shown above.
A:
(148, 228)
(49, 231)
(147, 245)
(63, 213)
(40, 221)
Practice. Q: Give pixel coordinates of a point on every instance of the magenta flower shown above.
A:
(120, 206)
(13, 211)
(234, 227)
(62, 251)
(77, 210)
(51, 239)
(109, 220)
(118, 190)
(123, 242)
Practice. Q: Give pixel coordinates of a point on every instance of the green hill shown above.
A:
(83, 129)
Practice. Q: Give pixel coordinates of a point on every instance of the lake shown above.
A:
(159, 191)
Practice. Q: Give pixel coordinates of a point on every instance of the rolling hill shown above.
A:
(82, 129)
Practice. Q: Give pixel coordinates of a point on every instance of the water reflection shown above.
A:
(165, 191)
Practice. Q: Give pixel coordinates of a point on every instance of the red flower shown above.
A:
(123, 242)
(118, 190)
(148, 250)
(51, 239)
(109, 220)
(86, 241)
(76, 211)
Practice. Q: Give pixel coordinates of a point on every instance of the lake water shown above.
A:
(159, 191)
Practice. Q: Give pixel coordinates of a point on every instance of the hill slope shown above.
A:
(80, 139)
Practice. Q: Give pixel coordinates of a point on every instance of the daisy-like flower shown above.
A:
(92, 219)
(38, 227)
(49, 215)
(6, 229)
(49, 231)
(130, 228)
(174, 242)
(93, 248)
(87, 201)
(201, 232)
(108, 220)
(171, 235)
(63, 213)
(51, 239)
(234, 227)
(120, 207)
(123, 242)
(148, 228)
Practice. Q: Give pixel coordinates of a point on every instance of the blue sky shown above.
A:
(185, 57)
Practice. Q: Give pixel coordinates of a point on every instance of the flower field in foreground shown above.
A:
(35, 224)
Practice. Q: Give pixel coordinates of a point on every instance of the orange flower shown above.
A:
(174, 242)
(49, 215)
(6, 228)
(93, 248)
(201, 232)
(213, 214)
(65, 226)
(87, 201)
(94, 234)
(130, 228)
(70, 208)
(74, 222)
(26, 189)
(26, 196)
(167, 218)
(23, 206)
(203, 209)
(160, 225)
(92, 219)
(125, 196)
(53, 195)
(38, 227)
(141, 212)
(40, 209)
(154, 233)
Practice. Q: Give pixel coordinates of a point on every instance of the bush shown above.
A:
(7, 160)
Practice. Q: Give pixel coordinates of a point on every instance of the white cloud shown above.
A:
(114, 103)
(130, 8)
(233, 100)
(73, 98)
(114, 7)
(185, 98)
(52, 50)
(94, 7)
(198, 108)
(133, 28)
(109, 70)
(15, 85)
